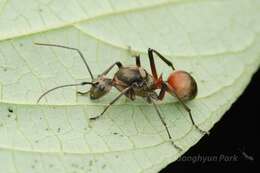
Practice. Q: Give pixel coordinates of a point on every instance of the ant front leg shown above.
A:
(152, 64)
(112, 102)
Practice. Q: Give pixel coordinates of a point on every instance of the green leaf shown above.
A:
(217, 41)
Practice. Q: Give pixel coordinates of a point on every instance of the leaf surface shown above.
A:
(216, 41)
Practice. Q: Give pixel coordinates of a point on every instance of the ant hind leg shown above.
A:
(171, 91)
(165, 125)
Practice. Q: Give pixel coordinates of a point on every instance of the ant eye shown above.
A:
(102, 88)
(95, 84)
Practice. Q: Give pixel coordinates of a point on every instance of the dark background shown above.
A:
(235, 134)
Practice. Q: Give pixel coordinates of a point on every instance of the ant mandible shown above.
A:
(134, 81)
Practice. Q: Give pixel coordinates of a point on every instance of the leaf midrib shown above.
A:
(73, 23)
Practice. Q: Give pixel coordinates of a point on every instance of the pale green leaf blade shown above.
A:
(217, 41)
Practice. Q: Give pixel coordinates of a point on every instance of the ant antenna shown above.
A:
(62, 86)
(71, 48)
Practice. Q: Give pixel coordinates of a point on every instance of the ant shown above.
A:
(133, 81)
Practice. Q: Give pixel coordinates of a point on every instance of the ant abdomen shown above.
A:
(183, 85)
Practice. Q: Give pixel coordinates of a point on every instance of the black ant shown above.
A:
(134, 81)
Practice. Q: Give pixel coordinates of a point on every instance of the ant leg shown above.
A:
(138, 64)
(137, 61)
(112, 102)
(169, 63)
(152, 64)
(187, 109)
(119, 65)
(165, 125)
(136, 55)
(163, 91)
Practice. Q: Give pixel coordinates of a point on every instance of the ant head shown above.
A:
(183, 84)
(100, 87)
